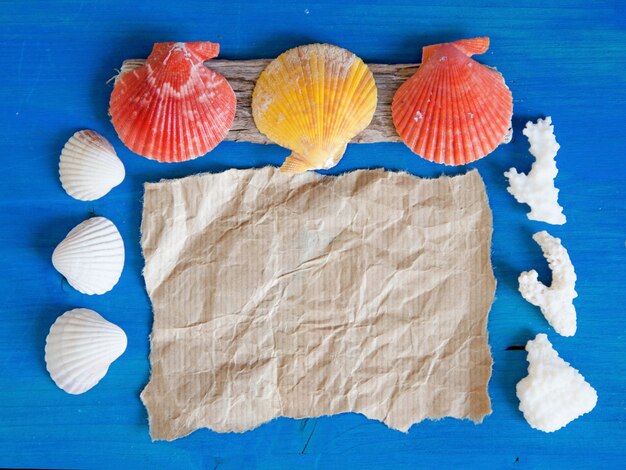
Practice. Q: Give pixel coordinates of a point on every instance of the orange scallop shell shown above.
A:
(453, 110)
(173, 108)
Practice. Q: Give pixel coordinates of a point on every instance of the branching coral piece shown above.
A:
(537, 187)
(554, 393)
(556, 301)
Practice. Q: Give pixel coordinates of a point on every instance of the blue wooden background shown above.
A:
(566, 59)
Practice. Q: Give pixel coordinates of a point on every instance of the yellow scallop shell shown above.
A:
(313, 100)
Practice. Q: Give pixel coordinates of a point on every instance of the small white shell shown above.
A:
(91, 257)
(89, 167)
(80, 348)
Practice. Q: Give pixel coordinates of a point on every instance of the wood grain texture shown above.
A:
(561, 58)
(243, 74)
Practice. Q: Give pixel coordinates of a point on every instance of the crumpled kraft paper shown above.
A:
(309, 295)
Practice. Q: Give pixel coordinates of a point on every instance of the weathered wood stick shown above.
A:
(242, 76)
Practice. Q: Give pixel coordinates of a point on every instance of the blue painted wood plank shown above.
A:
(561, 58)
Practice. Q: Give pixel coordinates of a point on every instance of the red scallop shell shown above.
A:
(173, 108)
(453, 110)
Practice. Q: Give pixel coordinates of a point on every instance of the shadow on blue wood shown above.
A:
(565, 59)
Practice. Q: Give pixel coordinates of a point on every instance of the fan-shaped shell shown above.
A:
(91, 257)
(453, 110)
(80, 348)
(89, 167)
(173, 108)
(313, 100)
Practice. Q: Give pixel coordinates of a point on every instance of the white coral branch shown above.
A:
(554, 393)
(556, 301)
(537, 187)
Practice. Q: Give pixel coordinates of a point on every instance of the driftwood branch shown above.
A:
(242, 76)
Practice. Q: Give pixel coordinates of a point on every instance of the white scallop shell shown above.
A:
(91, 257)
(89, 167)
(80, 348)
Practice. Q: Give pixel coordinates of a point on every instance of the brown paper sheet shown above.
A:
(309, 295)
